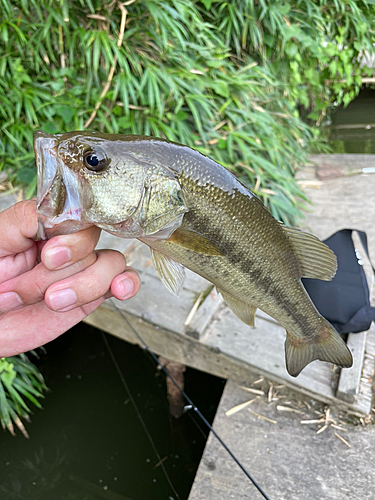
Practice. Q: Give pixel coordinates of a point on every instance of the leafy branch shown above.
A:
(20, 383)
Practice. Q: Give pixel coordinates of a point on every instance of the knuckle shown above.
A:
(88, 237)
(93, 287)
(113, 260)
(84, 263)
(40, 287)
(119, 260)
(25, 213)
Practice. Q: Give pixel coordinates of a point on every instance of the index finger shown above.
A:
(18, 227)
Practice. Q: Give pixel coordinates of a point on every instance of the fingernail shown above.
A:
(62, 299)
(126, 288)
(9, 301)
(56, 257)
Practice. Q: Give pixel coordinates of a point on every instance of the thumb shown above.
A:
(18, 227)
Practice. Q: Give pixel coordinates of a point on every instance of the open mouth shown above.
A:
(49, 184)
(58, 199)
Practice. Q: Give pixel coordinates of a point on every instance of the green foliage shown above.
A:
(226, 78)
(20, 383)
(172, 75)
(314, 47)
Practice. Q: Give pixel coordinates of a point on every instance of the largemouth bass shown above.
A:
(192, 213)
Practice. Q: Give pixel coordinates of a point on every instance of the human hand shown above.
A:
(41, 300)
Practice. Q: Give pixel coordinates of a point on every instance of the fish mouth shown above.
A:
(58, 193)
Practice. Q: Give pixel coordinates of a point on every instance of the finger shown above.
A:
(14, 265)
(63, 251)
(30, 287)
(33, 326)
(126, 285)
(18, 225)
(88, 285)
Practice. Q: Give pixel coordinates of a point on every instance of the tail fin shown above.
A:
(327, 346)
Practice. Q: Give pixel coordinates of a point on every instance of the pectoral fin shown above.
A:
(170, 272)
(316, 259)
(195, 242)
(243, 311)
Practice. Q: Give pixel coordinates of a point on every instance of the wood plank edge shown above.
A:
(195, 354)
(350, 378)
(196, 327)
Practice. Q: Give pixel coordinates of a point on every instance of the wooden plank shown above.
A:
(262, 348)
(350, 379)
(345, 161)
(154, 304)
(203, 316)
(363, 402)
(174, 346)
(245, 357)
(288, 460)
(346, 202)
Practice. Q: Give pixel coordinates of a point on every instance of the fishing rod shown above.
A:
(190, 405)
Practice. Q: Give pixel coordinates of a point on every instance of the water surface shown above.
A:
(88, 442)
(353, 127)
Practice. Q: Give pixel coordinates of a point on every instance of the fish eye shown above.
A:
(95, 160)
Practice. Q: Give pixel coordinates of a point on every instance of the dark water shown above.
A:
(353, 128)
(88, 443)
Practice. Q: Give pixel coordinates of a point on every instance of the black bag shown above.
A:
(344, 301)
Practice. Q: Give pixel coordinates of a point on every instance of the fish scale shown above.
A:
(243, 274)
(192, 212)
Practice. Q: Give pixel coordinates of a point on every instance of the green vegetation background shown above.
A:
(228, 78)
(232, 79)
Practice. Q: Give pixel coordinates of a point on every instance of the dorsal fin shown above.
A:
(315, 258)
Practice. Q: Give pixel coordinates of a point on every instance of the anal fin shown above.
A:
(243, 311)
(170, 272)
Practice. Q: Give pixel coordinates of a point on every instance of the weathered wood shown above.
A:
(159, 307)
(229, 350)
(288, 460)
(175, 398)
(365, 394)
(344, 161)
(262, 349)
(341, 203)
(179, 347)
(203, 315)
(350, 379)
